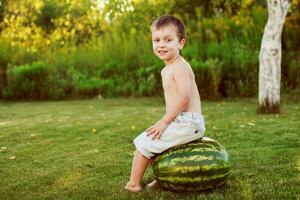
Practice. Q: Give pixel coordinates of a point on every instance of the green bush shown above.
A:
(148, 81)
(239, 71)
(293, 82)
(223, 52)
(207, 77)
(227, 69)
(6, 53)
(29, 81)
(84, 84)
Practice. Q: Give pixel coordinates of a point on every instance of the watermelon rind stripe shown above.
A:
(192, 165)
(183, 180)
(199, 155)
(195, 185)
(192, 159)
(195, 172)
(198, 151)
(191, 145)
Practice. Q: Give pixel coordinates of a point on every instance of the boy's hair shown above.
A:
(166, 20)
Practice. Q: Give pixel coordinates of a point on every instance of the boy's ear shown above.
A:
(181, 43)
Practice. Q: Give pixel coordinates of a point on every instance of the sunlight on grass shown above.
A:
(247, 192)
(6, 123)
(68, 180)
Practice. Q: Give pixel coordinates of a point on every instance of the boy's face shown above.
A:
(166, 44)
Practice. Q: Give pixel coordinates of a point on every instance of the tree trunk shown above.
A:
(270, 57)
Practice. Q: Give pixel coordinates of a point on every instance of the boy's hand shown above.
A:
(157, 129)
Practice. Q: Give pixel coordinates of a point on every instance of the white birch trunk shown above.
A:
(270, 57)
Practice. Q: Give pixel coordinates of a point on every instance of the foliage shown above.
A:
(38, 25)
(290, 71)
(5, 55)
(239, 72)
(148, 81)
(207, 76)
(107, 51)
(28, 81)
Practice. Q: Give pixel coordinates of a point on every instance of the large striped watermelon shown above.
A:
(198, 165)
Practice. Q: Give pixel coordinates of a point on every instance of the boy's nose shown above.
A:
(161, 44)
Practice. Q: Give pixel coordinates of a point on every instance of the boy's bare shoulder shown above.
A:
(162, 71)
(181, 67)
(182, 63)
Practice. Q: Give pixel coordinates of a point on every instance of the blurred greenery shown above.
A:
(92, 48)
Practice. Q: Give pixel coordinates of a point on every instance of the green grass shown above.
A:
(83, 149)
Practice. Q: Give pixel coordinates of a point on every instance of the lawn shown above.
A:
(82, 149)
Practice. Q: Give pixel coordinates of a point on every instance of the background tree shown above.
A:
(270, 57)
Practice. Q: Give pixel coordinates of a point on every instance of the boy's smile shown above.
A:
(166, 44)
(162, 52)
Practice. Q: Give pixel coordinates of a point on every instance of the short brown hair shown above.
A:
(166, 20)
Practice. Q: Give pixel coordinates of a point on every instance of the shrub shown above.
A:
(84, 84)
(293, 75)
(30, 81)
(149, 81)
(5, 56)
(239, 72)
(207, 77)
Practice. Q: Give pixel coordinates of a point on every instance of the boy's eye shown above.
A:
(168, 40)
(156, 40)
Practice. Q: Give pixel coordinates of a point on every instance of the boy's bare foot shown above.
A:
(152, 184)
(133, 187)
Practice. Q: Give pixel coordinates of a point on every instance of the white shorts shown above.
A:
(185, 128)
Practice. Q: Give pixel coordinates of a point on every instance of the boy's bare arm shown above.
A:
(184, 89)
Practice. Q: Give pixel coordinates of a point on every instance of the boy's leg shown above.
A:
(139, 165)
(154, 182)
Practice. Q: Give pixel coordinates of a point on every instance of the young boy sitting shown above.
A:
(183, 121)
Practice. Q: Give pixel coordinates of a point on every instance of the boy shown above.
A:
(183, 121)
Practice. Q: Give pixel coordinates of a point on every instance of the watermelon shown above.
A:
(199, 165)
